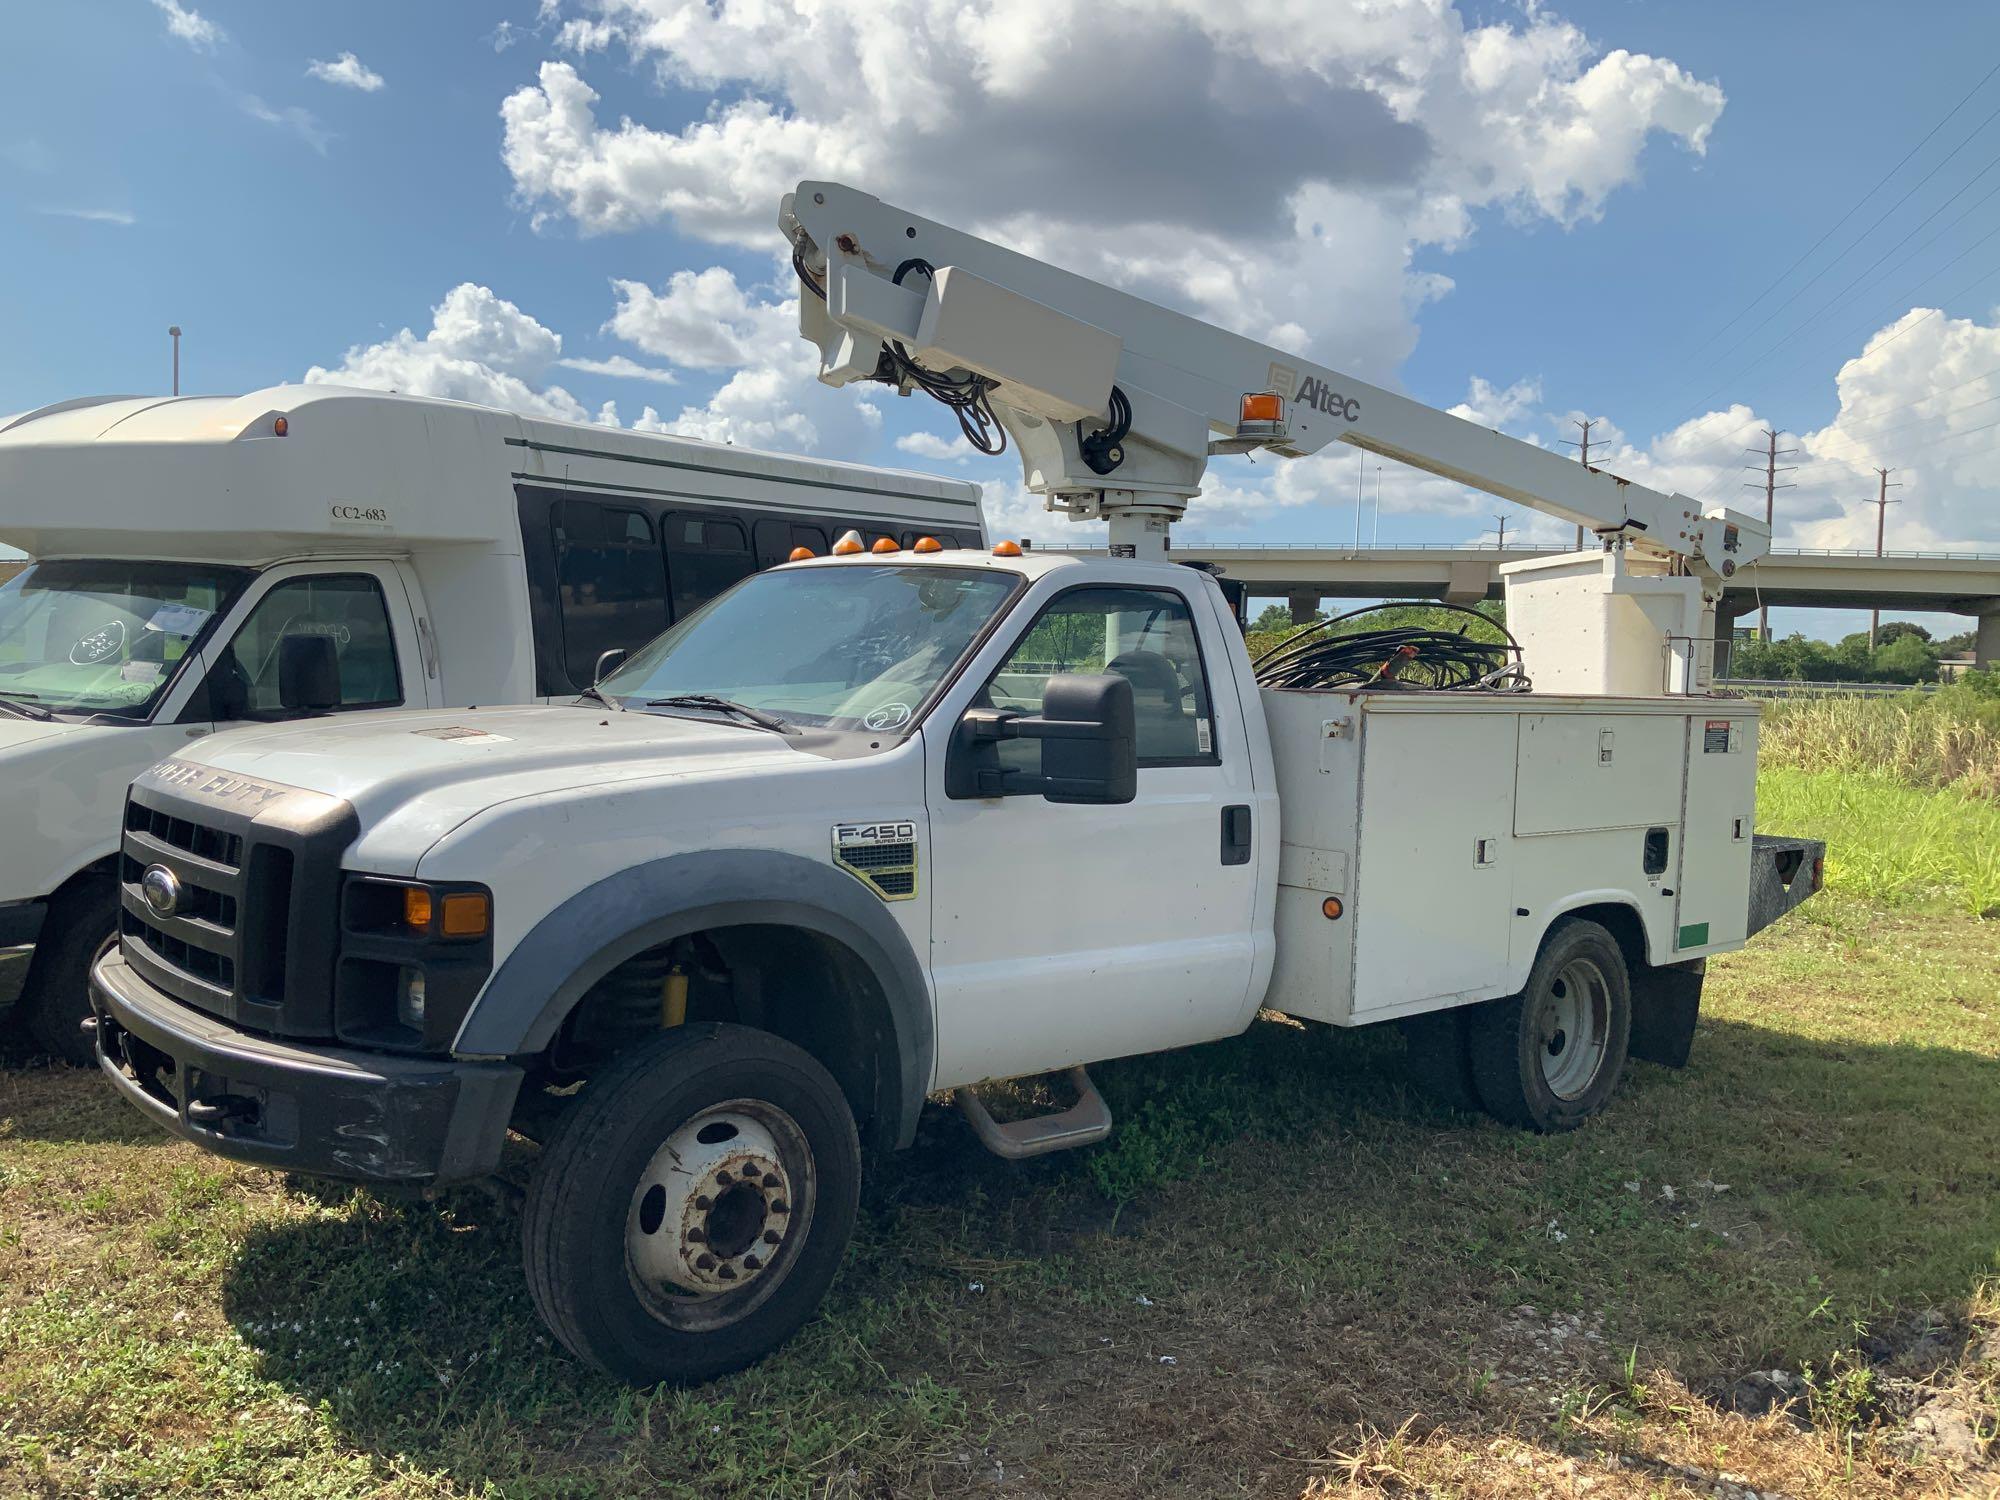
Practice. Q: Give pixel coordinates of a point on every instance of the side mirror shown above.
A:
(308, 674)
(606, 660)
(1089, 745)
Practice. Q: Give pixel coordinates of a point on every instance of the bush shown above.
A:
(1947, 739)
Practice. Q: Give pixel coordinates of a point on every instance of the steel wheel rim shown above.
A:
(1573, 1028)
(719, 1214)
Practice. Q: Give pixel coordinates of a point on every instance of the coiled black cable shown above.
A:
(1402, 656)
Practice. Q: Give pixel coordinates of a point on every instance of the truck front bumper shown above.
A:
(320, 1111)
(20, 926)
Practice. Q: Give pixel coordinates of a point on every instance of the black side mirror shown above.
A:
(1089, 745)
(606, 660)
(308, 674)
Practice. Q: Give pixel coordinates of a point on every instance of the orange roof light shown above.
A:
(280, 426)
(1263, 406)
(848, 545)
(1006, 549)
(885, 544)
(800, 554)
(928, 544)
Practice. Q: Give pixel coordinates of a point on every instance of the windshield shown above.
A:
(856, 647)
(104, 637)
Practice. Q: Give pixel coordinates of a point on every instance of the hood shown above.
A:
(16, 732)
(429, 771)
(64, 793)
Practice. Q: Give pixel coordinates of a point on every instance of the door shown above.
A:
(1712, 904)
(1066, 933)
(314, 639)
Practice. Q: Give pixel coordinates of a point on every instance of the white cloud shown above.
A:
(480, 347)
(348, 72)
(703, 320)
(302, 122)
(1275, 167)
(618, 367)
(191, 26)
(929, 445)
(116, 216)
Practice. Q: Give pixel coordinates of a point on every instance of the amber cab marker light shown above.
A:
(800, 554)
(280, 426)
(848, 545)
(1006, 549)
(928, 544)
(1331, 908)
(416, 908)
(467, 914)
(885, 545)
(1263, 406)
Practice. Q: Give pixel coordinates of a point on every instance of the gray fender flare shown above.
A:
(598, 928)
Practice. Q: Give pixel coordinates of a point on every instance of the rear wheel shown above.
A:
(692, 1207)
(1550, 1057)
(81, 927)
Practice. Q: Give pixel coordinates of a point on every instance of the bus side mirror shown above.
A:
(606, 660)
(1089, 745)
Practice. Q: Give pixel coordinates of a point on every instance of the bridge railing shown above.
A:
(1183, 544)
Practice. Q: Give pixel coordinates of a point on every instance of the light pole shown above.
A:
(174, 333)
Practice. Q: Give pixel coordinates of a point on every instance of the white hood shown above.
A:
(413, 777)
(62, 795)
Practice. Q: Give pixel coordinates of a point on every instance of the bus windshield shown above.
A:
(105, 638)
(856, 647)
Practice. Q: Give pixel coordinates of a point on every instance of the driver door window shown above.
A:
(1143, 635)
(248, 679)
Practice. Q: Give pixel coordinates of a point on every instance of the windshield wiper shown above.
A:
(26, 710)
(742, 711)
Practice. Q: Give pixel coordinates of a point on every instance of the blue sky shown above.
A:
(1530, 211)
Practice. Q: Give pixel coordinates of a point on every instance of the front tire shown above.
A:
(692, 1207)
(82, 925)
(1550, 1057)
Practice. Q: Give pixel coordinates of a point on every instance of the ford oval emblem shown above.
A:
(162, 889)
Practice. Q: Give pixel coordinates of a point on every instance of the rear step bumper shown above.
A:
(1783, 872)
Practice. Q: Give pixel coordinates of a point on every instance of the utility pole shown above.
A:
(1360, 477)
(175, 334)
(1501, 545)
(1881, 502)
(1772, 453)
(1375, 540)
(1582, 447)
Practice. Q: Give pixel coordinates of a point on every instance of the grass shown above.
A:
(1949, 739)
(1286, 1275)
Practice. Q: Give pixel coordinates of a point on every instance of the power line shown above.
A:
(1855, 208)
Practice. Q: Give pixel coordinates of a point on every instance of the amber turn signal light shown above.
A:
(467, 914)
(800, 554)
(1006, 549)
(1331, 908)
(928, 544)
(416, 908)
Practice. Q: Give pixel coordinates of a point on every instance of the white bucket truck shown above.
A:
(307, 551)
(901, 820)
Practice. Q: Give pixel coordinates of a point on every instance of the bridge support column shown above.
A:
(1305, 607)
(1726, 616)
(1986, 642)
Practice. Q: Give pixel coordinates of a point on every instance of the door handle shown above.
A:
(1236, 835)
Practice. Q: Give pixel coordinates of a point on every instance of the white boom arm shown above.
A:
(1052, 347)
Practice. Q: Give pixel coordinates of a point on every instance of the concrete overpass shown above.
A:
(1966, 583)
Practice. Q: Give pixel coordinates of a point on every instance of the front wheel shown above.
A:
(81, 927)
(691, 1209)
(1550, 1057)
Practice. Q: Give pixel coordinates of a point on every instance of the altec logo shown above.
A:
(1317, 393)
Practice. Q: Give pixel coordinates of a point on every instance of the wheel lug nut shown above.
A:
(750, 1262)
(770, 1236)
(779, 1206)
(704, 1262)
(771, 1179)
(726, 1272)
(698, 1235)
(704, 1202)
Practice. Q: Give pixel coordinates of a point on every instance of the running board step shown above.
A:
(1084, 1123)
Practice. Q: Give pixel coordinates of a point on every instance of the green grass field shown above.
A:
(1286, 1275)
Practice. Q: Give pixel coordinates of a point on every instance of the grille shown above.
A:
(253, 935)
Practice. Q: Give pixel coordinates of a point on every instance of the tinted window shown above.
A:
(249, 680)
(611, 587)
(704, 556)
(1144, 635)
(776, 539)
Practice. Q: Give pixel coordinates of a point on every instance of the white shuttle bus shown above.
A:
(203, 562)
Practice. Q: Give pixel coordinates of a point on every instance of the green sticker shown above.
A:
(1694, 935)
